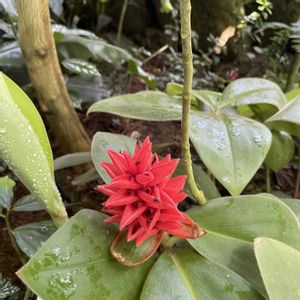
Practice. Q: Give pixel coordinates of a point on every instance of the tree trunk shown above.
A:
(38, 47)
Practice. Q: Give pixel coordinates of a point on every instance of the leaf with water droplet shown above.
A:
(232, 223)
(279, 265)
(231, 146)
(6, 191)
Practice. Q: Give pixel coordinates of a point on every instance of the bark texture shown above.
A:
(38, 47)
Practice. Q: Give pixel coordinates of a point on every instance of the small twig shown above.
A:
(121, 21)
(12, 238)
(185, 13)
(160, 50)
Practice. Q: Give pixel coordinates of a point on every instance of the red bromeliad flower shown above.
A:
(143, 197)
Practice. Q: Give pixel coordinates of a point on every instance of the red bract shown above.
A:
(143, 197)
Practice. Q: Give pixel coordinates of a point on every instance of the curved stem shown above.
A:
(121, 21)
(185, 14)
(13, 241)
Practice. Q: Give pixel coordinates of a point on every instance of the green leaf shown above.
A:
(292, 94)
(210, 98)
(232, 223)
(71, 160)
(80, 67)
(6, 191)
(57, 7)
(28, 203)
(293, 204)
(88, 176)
(247, 91)
(85, 89)
(202, 180)
(75, 263)
(13, 93)
(11, 55)
(289, 113)
(231, 146)
(103, 141)
(281, 151)
(279, 265)
(24, 145)
(146, 105)
(187, 275)
(30, 237)
(85, 48)
(72, 32)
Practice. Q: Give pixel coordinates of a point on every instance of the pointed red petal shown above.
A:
(142, 237)
(150, 200)
(176, 196)
(130, 215)
(110, 169)
(120, 200)
(163, 171)
(104, 189)
(176, 183)
(124, 184)
(118, 160)
(113, 219)
(154, 219)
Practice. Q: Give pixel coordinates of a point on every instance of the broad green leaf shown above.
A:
(102, 141)
(14, 94)
(281, 151)
(279, 265)
(9, 7)
(247, 91)
(146, 105)
(88, 176)
(210, 98)
(75, 263)
(231, 146)
(24, 145)
(293, 204)
(292, 94)
(186, 275)
(232, 223)
(71, 160)
(289, 113)
(202, 180)
(11, 55)
(80, 67)
(6, 191)
(84, 89)
(85, 48)
(57, 7)
(28, 203)
(135, 67)
(30, 237)
(72, 32)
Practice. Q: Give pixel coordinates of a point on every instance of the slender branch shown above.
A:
(293, 73)
(121, 21)
(12, 238)
(185, 13)
(159, 51)
(297, 187)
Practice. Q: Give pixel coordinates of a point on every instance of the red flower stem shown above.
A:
(185, 15)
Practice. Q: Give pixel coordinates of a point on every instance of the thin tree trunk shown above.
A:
(38, 47)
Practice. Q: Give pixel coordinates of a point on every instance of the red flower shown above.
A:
(143, 198)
